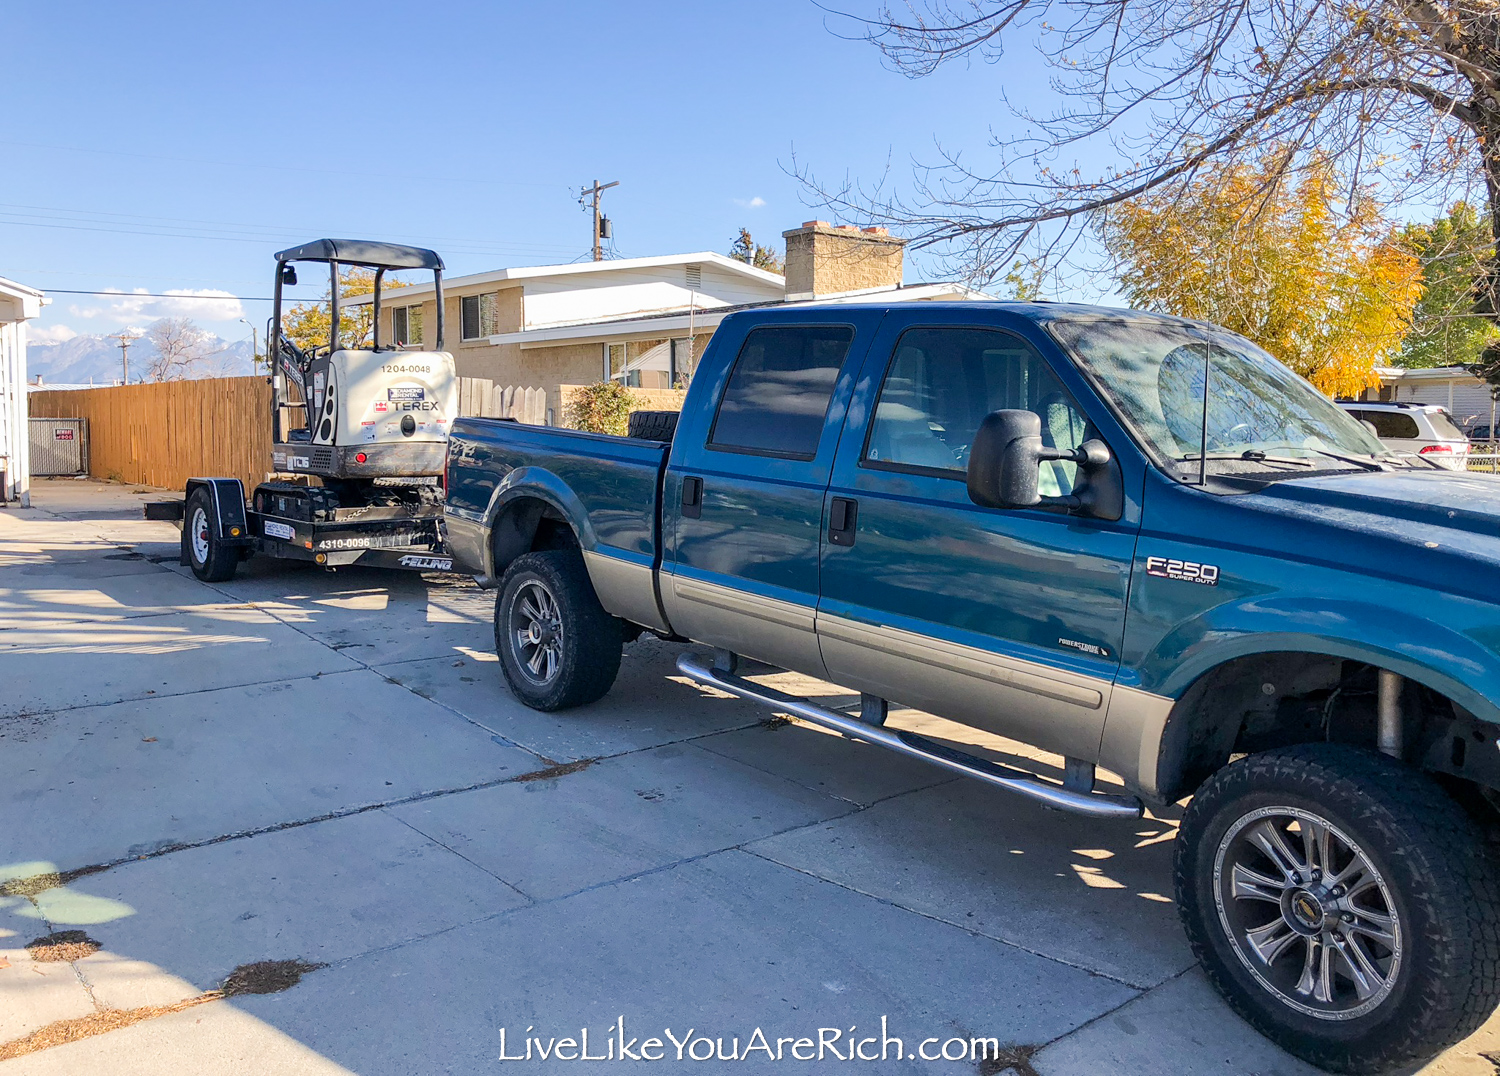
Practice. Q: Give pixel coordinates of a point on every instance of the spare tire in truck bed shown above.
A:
(652, 425)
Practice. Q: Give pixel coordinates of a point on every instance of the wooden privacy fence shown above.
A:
(482, 398)
(162, 434)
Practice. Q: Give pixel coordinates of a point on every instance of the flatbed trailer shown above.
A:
(359, 438)
(297, 522)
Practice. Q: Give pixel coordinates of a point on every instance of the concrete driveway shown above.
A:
(302, 766)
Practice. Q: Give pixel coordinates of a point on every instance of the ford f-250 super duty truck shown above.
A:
(1138, 542)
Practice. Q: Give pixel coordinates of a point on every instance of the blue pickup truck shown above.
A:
(1137, 542)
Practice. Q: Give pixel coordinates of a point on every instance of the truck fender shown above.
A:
(1446, 661)
(535, 483)
(1418, 648)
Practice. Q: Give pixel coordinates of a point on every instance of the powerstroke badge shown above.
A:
(1184, 571)
(1094, 649)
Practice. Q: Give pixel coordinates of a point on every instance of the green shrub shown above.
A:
(603, 407)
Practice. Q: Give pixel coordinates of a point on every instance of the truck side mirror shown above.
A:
(288, 274)
(1005, 460)
(1005, 467)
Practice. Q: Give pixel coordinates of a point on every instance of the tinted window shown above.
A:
(1444, 426)
(1393, 424)
(778, 393)
(940, 385)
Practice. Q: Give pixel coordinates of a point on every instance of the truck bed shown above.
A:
(609, 485)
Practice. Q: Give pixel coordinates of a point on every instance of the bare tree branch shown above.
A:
(1403, 96)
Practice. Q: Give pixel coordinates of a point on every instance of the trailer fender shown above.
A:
(229, 506)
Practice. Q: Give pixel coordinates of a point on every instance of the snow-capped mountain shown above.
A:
(96, 359)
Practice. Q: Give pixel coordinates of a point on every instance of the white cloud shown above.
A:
(49, 334)
(750, 203)
(206, 304)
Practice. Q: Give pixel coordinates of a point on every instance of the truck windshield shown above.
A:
(1261, 416)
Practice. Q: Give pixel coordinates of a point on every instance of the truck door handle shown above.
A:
(692, 497)
(843, 514)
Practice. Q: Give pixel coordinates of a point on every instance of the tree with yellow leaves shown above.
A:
(1323, 283)
(308, 324)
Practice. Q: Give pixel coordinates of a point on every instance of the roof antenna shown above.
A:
(1208, 352)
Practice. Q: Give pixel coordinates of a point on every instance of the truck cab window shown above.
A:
(940, 385)
(778, 393)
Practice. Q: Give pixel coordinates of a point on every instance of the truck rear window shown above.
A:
(778, 393)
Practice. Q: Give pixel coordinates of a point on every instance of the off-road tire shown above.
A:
(1438, 871)
(587, 657)
(652, 425)
(210, 559)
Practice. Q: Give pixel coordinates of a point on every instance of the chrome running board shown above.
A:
(1094, 804)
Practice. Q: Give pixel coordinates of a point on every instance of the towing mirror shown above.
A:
(1005, 460)
(1005, 467)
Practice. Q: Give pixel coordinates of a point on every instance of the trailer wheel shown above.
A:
(557, 645)
(211, 560)
(1343, 904)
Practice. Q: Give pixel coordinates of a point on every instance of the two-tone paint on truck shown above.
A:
(1164, 554)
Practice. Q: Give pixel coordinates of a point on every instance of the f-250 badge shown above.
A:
(1185, 571)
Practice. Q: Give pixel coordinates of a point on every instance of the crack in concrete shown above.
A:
(448, 847)
(277, 827)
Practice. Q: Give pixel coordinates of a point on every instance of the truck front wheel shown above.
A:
(1343, 904)
(557, 645)
(211, 560)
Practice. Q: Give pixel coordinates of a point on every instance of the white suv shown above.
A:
(1426, 430)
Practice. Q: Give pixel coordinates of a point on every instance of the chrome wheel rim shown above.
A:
(1308, 913)
(536, 633)
(198, 532)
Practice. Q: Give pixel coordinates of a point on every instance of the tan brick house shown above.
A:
(642, 321)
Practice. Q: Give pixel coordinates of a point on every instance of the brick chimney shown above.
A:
(823, 259)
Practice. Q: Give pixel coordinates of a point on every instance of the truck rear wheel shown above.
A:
(557, 645)
(1343, 904)
(211, 560)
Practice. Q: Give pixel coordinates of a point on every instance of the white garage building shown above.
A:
(18, 304)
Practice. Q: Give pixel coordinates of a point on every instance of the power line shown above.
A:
(97, 216)
(170, 295)
(300, 170)
(259, 240)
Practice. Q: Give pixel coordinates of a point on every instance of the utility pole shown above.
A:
(125, 341)
(601, 224)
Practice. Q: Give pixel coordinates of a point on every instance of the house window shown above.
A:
(640, 364)
(479, 316)
(695, 277)
(406, 324)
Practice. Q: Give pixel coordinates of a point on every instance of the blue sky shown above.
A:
(162, 146)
